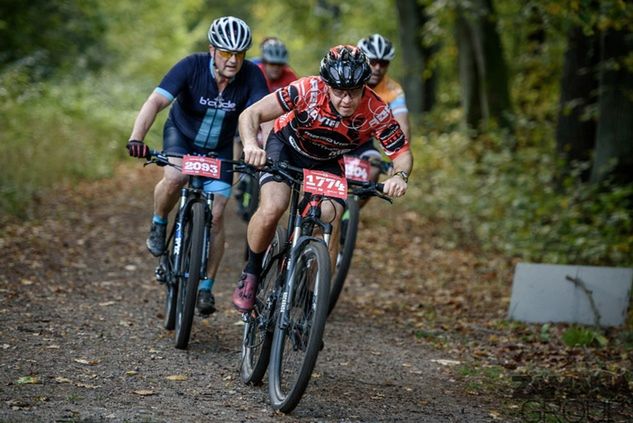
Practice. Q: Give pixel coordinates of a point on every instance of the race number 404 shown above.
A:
(201, 166)
(356, 168)
(324, 183)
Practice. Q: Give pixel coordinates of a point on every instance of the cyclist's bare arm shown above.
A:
(154, 104)
(403, 121)
(396, 186)
(266, 109)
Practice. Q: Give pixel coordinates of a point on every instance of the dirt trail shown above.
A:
(81, 335)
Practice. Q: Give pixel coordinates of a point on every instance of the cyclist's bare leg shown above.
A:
(218, 236)
(168, 188)
(331, 211)
(274, 197)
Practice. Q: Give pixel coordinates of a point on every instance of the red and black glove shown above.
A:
(138, 149)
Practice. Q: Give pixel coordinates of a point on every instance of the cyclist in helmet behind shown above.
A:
(318, 119)
(274, 64)
(380, 52)
(207, 92)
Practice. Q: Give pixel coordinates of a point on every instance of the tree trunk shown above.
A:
(469, 74)
(614, 140)
(483, 70)
(576, 129)
(420, 90)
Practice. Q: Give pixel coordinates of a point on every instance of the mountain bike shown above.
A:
(184, 262)
(284, 330)
(355, 169)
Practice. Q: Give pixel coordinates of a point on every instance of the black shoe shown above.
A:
(206, 302)
(156, 239)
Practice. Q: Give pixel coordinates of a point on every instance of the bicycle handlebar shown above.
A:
(280, 168)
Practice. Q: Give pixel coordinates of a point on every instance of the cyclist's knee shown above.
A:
(331, 211)
(175, 180)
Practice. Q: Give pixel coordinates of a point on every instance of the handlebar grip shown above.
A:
(380, 187)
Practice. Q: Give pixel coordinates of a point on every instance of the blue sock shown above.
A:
(205, 284)
(156, 219)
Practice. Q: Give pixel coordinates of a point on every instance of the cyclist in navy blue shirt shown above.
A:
(207, 91)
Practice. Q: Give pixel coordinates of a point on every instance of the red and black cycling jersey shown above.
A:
(314, 128)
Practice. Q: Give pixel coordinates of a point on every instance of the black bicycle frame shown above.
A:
(188, 196)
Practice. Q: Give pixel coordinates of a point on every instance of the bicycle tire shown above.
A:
(295, 349)
(191, 257)
(258, 329)
(171, 290)
(346, 253)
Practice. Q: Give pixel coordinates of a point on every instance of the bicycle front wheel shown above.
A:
(171, 289)
(193, 232)
(297, 341)
(258, 329)
(346, 252)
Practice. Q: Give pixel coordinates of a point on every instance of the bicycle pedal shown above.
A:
(161, 275)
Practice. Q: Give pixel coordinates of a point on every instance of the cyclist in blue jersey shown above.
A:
(207, 92)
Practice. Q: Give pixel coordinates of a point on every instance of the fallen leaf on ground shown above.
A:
(84, 361)
(177, 377)
(60, 379)
(445, 362)
(144, 392)
(28, 380)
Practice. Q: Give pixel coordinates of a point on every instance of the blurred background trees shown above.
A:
(523, 111)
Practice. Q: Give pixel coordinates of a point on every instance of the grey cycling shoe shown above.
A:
(156, 239)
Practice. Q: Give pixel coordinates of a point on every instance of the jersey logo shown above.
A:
(218, 103)
(380, 116)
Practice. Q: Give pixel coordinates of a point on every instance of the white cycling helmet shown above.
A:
(230, 33)
(377, 47)
(274, 51)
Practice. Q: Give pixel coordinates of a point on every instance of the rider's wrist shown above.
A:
(402, 174)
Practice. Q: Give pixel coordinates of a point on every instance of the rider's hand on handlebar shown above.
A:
(395, 186)
(137, 149)
(254, 156)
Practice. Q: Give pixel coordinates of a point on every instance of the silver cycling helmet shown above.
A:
(230, 33)
(377, 47)
(274, 51)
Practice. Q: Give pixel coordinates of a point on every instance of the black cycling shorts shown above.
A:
(277, 149)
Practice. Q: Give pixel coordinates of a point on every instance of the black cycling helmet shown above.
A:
(345, 67)
(274, 51)
(230, 33)
(377, 47)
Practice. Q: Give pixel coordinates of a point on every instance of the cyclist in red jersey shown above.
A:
(274, 64)
(318, 119)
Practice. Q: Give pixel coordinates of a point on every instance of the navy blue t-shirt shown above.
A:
(200, 112)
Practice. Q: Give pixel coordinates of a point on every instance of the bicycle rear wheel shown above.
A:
(296, 343)
(258, 330)
(346, 252)
(191, 257)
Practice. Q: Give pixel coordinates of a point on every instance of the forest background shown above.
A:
(522, 111)
(522, 119)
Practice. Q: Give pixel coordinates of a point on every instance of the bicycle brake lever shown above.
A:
(385, 197)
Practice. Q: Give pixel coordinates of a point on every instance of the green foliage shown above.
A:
(54, 36)
(583, 337)
(507, 200)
